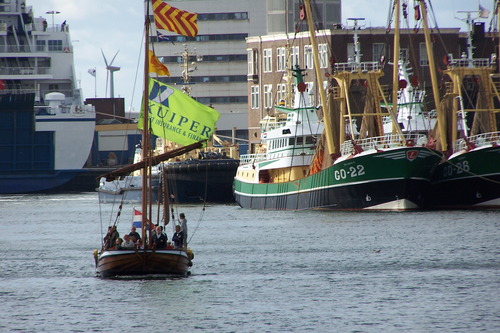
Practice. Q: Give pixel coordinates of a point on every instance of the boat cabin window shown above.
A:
(300, 140)
(310, 140)
(55, 45)
(40, 45)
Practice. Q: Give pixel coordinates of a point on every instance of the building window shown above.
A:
(378, 51)
(253, 63)
(424, 60)
(281, 92)
(308, 57)
(310, 92)
(223, 16)
(268, 96)
(404, 55)
(268, 58)
(323, 55)
(254, 92)
(55, 45)
(350, 52)
(295, 56)
(280, 59)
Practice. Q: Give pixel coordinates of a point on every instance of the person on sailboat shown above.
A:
(127, 242)
(184, 227)
(159, 239)
(111, 237)
(133, 232)
(178, 237)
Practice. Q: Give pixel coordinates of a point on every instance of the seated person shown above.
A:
(178, 237)
(159, 239)
(118, 244)
(134, 233)
(127, 242)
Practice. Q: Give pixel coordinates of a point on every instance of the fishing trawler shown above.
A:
(470, 177)
(46, 132)
(352, 168)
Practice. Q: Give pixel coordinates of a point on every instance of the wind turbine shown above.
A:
(111, 69)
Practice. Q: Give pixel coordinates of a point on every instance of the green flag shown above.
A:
(177, 117)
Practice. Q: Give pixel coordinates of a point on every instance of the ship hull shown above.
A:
(468, 180)
(389, 180)
(35, 182)
(192, 181)
(122, 263)
(40, 153)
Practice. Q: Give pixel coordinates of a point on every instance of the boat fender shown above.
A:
(190, 254)
(95, 256)
(410, 143)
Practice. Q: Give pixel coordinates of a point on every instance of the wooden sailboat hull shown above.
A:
(116, 263)
(390, 180)
(468, 180)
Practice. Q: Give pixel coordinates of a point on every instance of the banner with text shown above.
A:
(176, 116)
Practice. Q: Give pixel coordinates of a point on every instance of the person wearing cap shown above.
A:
(178, 237)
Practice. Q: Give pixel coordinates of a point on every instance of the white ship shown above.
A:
(46, 132)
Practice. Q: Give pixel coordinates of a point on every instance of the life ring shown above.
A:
(410, 143)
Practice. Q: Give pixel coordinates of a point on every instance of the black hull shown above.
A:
(389, 194)
(471, 192)
(202, 180)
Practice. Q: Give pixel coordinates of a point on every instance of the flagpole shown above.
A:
(95, 83)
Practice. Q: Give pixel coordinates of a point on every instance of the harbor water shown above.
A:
(254, 271)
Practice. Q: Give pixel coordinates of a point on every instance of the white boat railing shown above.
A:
(352, 66)
(491, 138)
(384, 142)
(251, 158)
(477, 62)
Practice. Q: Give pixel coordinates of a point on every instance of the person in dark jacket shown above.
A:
(159, 239)
(178, 237)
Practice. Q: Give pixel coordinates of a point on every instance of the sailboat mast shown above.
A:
(395, 72)
(145, 129)
(432, 69)
(314, 45)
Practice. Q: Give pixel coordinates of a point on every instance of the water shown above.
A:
(255, 271)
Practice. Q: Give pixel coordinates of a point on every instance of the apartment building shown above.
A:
(271, 57)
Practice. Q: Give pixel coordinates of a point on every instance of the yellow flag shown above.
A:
(177, 117)
(155, 66)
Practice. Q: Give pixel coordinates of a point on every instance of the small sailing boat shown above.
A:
(168, 113)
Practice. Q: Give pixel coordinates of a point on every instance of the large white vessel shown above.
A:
(46, 132)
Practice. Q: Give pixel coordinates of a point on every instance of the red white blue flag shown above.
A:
(137, 220)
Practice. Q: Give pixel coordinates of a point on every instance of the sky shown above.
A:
(117, 26)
